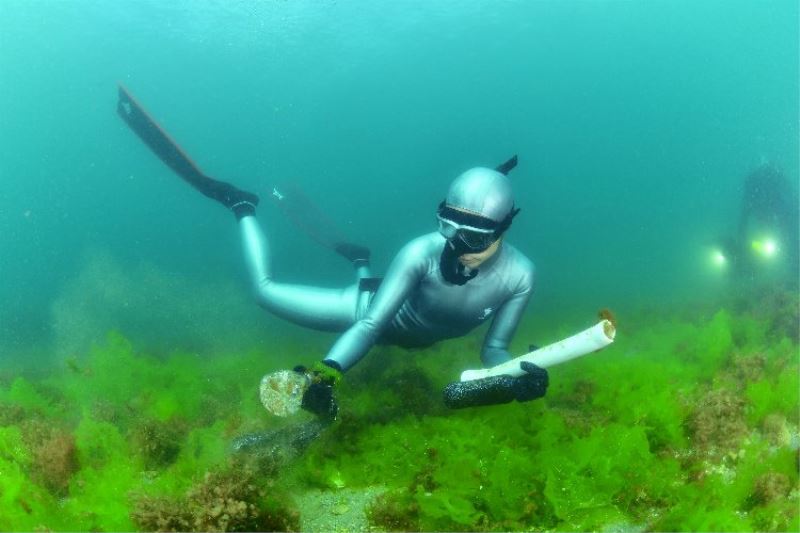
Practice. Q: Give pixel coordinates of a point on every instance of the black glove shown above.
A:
(318, 397)
(498, 389)
(531, 385)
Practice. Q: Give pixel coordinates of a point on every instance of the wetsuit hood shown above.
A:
(477, 211)
(483, 192)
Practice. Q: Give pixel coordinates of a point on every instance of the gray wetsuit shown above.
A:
(413, 306)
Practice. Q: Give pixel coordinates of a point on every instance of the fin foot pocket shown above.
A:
(352, 252)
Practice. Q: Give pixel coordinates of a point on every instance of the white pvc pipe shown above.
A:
(589, 340)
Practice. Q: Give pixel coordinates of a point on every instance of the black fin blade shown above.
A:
(156, 138)
(508, 166)
(307, 216)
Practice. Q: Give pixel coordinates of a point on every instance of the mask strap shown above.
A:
(506, 223)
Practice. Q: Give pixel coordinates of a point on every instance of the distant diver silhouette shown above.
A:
(768, 225)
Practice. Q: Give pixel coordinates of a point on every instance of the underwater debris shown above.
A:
(227, 500)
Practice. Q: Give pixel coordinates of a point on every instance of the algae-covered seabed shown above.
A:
(687, 423)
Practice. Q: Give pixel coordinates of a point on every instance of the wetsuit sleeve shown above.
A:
(495, 345)
(403, 276)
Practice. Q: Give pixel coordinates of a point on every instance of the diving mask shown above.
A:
(475, 240)
(466, 231)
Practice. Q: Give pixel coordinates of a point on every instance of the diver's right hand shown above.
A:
(532, 384)
(494, 390)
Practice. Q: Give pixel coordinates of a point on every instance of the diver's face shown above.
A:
(474, 260)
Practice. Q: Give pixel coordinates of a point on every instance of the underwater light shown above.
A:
(718, 258)
(765, 248)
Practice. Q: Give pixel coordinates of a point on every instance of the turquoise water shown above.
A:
(635, 122)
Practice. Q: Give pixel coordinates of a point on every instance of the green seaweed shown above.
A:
(228, 499)
(777, 394)
(685, 423)
(23, 395)
(25, 505)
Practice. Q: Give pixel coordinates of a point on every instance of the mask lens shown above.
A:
(447, 229)
(476, 241)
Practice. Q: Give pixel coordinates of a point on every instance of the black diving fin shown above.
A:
(305, 214)
(159, 141)
(168, 151)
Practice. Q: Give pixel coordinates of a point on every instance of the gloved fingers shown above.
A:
(532, 368)
(526, 392)
(319, 400)
(531, 385)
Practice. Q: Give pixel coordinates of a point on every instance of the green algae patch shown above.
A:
(775, 394)
(25, 504)
(26, 400)
(80, 449)
(701, 412)
(231, 499)
(683, 424)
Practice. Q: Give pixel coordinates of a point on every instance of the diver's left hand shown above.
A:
(319, 400)
(531, 385)
(318, 397)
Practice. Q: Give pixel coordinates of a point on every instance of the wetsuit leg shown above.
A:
(313, 307)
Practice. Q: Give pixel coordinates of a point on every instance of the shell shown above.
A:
(282, 392)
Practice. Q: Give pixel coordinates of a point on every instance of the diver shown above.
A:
(440, 285)
(766, 243)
